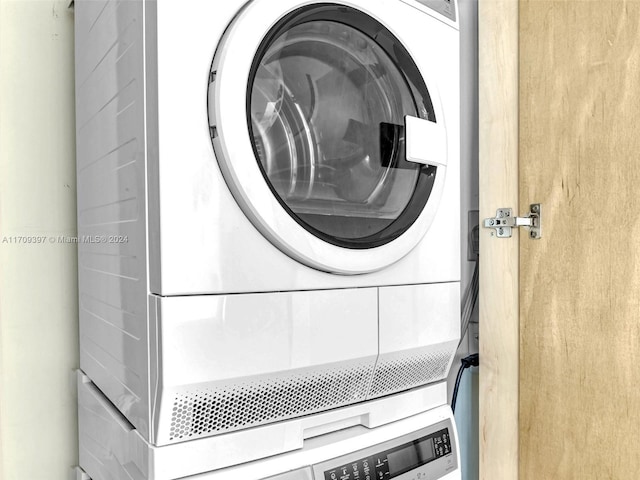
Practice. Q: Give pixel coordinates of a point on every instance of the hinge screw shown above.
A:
(535, 209)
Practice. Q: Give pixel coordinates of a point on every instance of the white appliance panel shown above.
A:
(111, 200)
(233, 361)
(419, 333)
(414, 316)
(217, 338)
(111, 449)
(200, 222)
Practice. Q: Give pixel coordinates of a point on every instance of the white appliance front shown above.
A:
(422, 446)
(335, 157)
(231, 362)
(262, 272)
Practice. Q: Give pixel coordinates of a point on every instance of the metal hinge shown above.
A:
(504, 221)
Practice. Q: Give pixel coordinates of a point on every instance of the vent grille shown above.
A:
(409, 371)
(242, 405)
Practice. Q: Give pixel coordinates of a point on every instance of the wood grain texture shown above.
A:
(580, 285)
(499, 321)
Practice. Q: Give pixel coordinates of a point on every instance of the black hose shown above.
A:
(470, 361)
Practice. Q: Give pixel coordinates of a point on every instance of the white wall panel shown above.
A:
(38, 282)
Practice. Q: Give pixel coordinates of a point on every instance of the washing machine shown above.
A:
(268, 219)
(423, 446)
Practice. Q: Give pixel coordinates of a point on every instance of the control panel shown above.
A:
(428, 454)
(446, 8)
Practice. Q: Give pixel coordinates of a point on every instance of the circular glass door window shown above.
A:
(328, 95)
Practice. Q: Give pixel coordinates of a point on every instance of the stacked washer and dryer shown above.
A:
(269, 215)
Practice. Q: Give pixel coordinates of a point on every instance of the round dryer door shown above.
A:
(327, 134)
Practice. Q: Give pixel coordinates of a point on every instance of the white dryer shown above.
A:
(268, 214)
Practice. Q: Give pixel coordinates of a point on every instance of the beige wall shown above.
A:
(38, 283)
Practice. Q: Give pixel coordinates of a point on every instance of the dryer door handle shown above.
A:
(426, 142)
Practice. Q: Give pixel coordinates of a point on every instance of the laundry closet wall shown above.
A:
(38, 282)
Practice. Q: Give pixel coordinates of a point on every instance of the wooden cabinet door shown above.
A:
(560, 316)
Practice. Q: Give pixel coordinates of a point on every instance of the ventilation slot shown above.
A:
(405, 372)
(242, 405)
